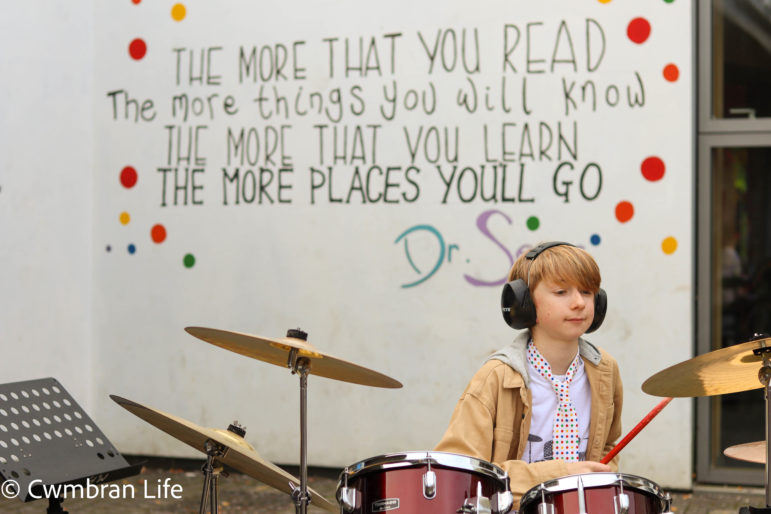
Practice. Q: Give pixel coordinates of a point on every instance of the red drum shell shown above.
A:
(600, 490)
(395, 481)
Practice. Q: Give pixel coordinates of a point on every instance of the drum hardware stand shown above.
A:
(211, 475)
(301, 366)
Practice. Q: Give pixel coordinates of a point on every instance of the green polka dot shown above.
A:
(189, 260)
(533, 223)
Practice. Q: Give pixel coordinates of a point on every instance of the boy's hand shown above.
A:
(586, 466)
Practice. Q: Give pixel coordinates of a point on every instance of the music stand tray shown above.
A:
(47, 440)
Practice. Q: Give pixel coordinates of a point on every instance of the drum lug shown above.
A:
(476, 505)
(503, 501)
(621, 503)
(347, 498)
(667, 504)
(429, 485)
(543, 507)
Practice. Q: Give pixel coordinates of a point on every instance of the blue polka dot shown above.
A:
(132, 249)
(595, 239)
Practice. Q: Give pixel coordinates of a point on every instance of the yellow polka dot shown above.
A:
(669, 245)
(604, 1)
(124, 218)
(178, 12)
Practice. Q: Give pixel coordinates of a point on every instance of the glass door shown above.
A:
(734, 290)
(734, 219)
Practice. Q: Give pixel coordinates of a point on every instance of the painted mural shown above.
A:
(314, 142)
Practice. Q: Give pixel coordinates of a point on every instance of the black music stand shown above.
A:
(48, 441)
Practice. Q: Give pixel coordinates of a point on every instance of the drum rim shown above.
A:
(409, 459)
(592, 480)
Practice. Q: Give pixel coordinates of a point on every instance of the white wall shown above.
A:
(46, 193)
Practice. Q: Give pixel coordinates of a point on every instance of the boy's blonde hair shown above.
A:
(562, 264)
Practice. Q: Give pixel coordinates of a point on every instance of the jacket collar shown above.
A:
(515, 355)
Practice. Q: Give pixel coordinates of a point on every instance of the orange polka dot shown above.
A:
(624, 211)
(671, 72)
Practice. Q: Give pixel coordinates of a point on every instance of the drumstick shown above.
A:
(647, 419)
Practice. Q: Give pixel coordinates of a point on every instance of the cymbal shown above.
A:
(240, 455)
(276, 351)
(727, 370)
(750, 452)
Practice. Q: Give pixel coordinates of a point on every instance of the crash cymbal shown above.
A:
(727, 370)
(240, 454)
(276, 351)
(750, 452)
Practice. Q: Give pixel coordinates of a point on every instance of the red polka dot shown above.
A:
(136, 2)
(137, 49)
(638, 30)
(653, 168)
(128, 177)
(158, 233)
(671, 72)
(624, 211)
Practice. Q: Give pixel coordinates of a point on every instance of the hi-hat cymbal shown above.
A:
(750, 452)
(240, 454)
(276, 351)
(727, 370)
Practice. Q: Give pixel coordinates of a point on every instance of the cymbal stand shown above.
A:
(302, 367)
(211, 474)
(764, 375)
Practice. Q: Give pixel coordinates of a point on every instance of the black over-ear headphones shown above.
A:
(517, 305)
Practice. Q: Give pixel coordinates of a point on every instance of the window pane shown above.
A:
(741, 58)
(741, 228)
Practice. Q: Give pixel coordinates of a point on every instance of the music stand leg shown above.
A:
(55, 506)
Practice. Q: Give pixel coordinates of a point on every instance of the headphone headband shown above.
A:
(538, 250)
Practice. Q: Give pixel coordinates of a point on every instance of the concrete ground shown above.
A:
(239, 493)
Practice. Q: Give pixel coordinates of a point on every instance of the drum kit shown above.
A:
(440, 482)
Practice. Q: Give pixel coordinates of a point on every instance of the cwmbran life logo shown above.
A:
(161, 490)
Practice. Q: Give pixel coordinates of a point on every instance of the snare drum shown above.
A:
(596, 493)
(423, 482)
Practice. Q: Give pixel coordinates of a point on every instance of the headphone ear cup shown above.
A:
(600, 308)
(517, 305)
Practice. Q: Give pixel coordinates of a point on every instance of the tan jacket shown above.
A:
(492, 419)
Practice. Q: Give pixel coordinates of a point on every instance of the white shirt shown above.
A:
(540, 440)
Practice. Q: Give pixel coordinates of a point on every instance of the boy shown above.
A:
(510, 413)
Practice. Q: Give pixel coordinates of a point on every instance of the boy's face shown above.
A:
(563, 311)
